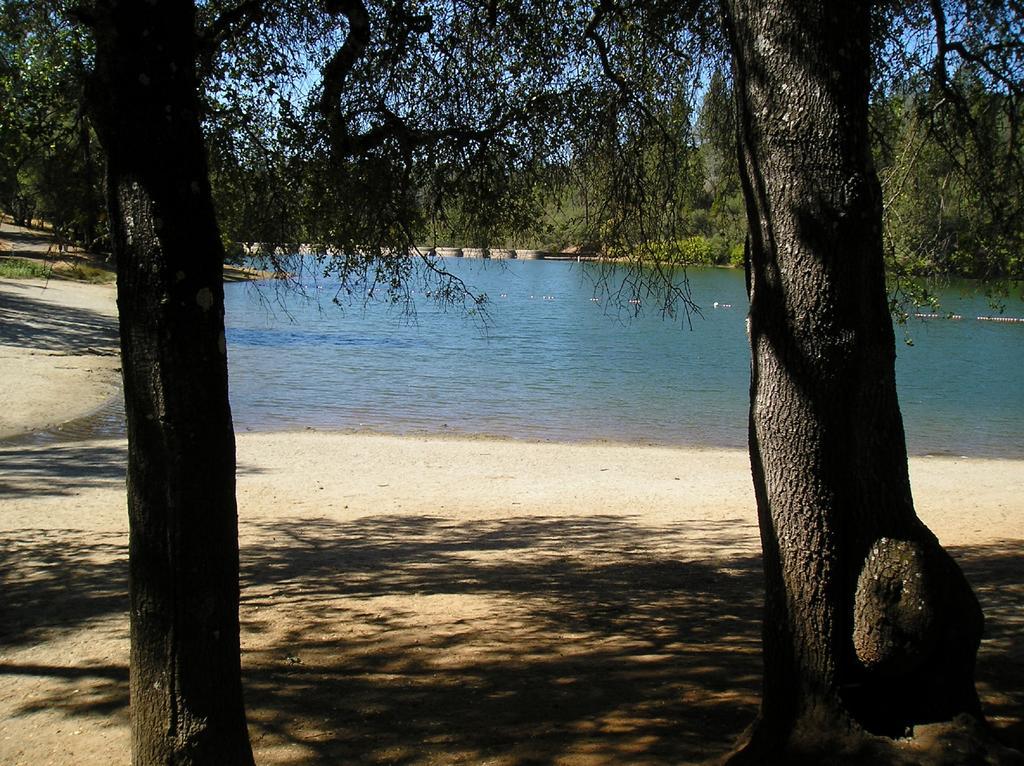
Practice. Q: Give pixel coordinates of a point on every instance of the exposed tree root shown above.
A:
(963, 741)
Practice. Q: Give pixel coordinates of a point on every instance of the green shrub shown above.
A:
(698, 251)
(692, 251)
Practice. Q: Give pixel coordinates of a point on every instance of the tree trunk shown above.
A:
(186, 696)
(870, 629)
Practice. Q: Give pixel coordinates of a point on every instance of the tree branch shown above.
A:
(338, 68)
(228, 24)
(943, 48)
(592, 34)
(391, 126)
(243, 15)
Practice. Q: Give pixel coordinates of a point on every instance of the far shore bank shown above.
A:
(573, 254)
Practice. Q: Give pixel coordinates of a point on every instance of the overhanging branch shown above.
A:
(228, 24)
(341, 63)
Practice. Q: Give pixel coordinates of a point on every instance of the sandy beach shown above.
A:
(427, 600)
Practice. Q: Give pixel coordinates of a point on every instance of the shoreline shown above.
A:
(101, 422)
(965, 500)
(97, 411)
(484, 436)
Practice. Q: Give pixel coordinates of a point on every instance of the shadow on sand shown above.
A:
(33, 468)
(522, 640)
(28, 320)
(515, 640)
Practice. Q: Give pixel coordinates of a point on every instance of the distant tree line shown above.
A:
(949, 165)
(51, 167)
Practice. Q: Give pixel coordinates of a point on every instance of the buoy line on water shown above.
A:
(1002, 319)
(955, 317)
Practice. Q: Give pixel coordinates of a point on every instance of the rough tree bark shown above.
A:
(186, 696)
(870, 629)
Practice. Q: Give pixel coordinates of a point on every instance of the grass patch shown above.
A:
(18, 268)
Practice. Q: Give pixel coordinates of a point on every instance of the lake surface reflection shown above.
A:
(555, 361)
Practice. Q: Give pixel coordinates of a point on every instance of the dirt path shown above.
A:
(22, 242)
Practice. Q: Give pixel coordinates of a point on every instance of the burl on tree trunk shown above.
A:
(870, 629)
(186, 696)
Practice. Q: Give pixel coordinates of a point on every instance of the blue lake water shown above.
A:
(552, 362)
